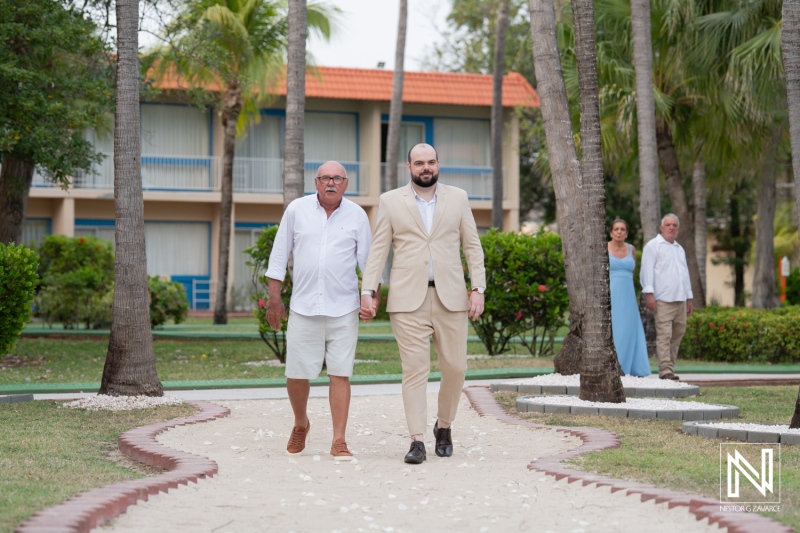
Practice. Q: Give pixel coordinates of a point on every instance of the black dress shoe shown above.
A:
(416, 454)
(444, 444)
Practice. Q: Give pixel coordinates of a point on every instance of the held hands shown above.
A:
(369, 307)
(276, 313)
(475, 305)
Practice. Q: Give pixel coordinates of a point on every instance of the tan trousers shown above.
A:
(670, 328)
(413, 332)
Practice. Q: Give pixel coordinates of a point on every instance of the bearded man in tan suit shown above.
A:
(426, 225)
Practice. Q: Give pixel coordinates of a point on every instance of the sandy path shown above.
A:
(484, 487)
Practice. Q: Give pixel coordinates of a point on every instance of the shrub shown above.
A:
(167, 300)
(18, 279)
(525, 296)
(259, 255)
(793, 287)
(77, 276)
(742, 335)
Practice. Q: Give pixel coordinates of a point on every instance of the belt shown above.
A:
(431, 283)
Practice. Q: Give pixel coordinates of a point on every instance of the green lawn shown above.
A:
(48, 454)
(657, 452)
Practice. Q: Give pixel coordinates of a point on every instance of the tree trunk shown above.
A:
(231, 107)
(739, 250)
(600, 371)
(294, 148)
(699, 219)
(396, 107)
(497, 115)
(764, 292)
(649, 193)
(15, 184)
(566, 172)
(790, 47)
(668, 159)
(130, 367)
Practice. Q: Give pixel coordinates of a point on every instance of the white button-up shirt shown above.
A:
(426, 210)
(326, 252)
(664, 271)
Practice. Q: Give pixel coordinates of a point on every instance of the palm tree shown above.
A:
(294, 148)
(497, 115)
(130, 367)
(579, 201)
(240, 44)
(396, 106)
(649, 192)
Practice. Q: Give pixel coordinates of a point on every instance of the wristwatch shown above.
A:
(479, 289)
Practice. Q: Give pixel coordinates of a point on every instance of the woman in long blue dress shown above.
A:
(626, 322)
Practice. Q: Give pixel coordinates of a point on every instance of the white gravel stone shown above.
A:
(774, 428)
(627, 381)
(630, 403)
(121, 403)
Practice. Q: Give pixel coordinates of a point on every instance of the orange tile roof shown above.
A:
(446, 88)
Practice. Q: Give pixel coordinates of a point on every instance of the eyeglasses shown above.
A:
(338, 180)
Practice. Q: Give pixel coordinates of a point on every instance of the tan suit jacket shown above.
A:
(401, 228)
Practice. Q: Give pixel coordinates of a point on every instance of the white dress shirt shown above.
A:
(664, 271)
(426, 210)
(326, 252)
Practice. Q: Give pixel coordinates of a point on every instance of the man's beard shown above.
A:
(417, 180)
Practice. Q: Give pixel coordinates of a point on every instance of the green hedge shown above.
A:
(742, 335)
(18, 279)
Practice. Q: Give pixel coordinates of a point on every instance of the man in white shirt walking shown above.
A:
(328, 236)
(667, 292)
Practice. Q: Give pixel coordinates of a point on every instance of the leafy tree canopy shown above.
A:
(55, 83)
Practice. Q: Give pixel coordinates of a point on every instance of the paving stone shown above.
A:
(15, 398)
(665, 393)
(556, 409)
(614, 411)
(508, 387)
(530, 389)
(762, 436)
(642, 392)
(522, 406)
(690, 428)
(641, 413)
(583, 410)
(669, 415)
(5, 399)
(534, 407)
(735, 434)
(574, 390)
(494, 387)
(693, 415)
(554, 389)
(730, 412)
(707, 431)
(712, 414)
(790, 438)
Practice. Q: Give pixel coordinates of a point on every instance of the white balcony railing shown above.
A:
(477, 181)
(181, 173)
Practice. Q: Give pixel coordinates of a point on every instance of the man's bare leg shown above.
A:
(339, 398)
(298, 390)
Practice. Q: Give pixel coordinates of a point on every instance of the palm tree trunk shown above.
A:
(668, 159)
(649, 194)
(231, 107)
(600, 372)
(700, 231)
(15, 184)
(566, 172)
(396, 107)
(764, 294)
(294, 148)
(130, 367)
(790, 47)
(497, 115)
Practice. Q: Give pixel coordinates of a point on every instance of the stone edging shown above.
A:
(574, 390)
(87, 510)
(595, 439)
(15, 398)
(701, 429)
(721, 411)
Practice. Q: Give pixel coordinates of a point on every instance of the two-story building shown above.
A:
(346, 120)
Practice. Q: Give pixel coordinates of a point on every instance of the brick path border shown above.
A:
(84, 511)
(483, 401)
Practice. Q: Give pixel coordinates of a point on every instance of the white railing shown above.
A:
(182, 173)
(477, 181)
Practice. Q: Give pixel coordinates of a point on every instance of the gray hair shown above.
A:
(671, 215)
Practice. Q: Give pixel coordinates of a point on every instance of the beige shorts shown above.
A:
(310, 340)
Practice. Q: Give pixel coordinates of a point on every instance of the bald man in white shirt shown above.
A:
(328, 236)
(667, 292)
